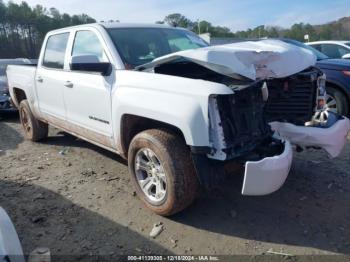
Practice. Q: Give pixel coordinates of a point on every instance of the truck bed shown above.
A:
(22, 77)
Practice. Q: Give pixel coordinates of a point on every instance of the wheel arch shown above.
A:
(131, 125)
(340, 87)
(18, 96)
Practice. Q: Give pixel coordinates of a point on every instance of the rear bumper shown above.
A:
(268, 174)
(331, 139)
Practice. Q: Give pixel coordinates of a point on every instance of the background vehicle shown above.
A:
(338, 79)
(333, 49)
(5, 101)
(179, 122)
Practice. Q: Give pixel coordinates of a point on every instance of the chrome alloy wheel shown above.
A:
(25, 121)
(150, 175)
(331, 104)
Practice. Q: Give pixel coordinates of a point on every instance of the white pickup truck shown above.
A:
(182, 113)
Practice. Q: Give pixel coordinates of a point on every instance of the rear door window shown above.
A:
(55, 51)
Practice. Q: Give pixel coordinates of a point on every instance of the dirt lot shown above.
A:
(82, 202)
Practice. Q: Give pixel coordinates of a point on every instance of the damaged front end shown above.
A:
(296, 112)
(269, 110)
(258, 124)
(240, 134)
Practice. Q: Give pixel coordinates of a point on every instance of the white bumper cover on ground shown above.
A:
(331, 139)
(267, 175)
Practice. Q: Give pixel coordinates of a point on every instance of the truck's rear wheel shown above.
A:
(34, 129)
(162, 171)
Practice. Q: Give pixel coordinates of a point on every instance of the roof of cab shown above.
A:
(132, 25)
(116, 25)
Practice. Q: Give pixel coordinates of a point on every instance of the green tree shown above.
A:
(178, 20)
(23, 28)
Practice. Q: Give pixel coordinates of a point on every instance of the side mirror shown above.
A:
(90, 63)
(346, 56)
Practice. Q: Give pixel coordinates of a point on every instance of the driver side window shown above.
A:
(87, 43)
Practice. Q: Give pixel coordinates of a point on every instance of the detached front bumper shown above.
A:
(331, 139)
(268, 174)
(261, 177)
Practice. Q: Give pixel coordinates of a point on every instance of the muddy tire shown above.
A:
(34, 129)
(162, 171)
(336, 101)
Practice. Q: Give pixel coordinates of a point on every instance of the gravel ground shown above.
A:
(81, 201)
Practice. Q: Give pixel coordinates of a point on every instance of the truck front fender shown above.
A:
(188, 114)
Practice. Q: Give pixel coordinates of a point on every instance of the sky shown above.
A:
(235, 14)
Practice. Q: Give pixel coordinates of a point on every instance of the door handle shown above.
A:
(68, 84)
(40, 79)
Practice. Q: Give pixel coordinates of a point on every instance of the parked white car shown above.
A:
(179, 111)
(333, 49)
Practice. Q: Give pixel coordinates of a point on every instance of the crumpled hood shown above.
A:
(254, 60)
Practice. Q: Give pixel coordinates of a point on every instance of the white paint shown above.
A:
(331, 139)
(178, 101)
(267, 175)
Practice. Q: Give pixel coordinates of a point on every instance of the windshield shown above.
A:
(138, 46)
(318, 54)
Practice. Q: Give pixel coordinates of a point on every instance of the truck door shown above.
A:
(87, 94)
(49, 82)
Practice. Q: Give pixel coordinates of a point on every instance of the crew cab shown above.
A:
(179, 111)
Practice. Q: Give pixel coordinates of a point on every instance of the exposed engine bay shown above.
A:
(242, 118)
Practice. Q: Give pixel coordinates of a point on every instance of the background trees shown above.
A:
(22, 28)
(338, 30)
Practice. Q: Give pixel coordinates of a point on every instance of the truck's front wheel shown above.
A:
(162, 171)
(34, 129)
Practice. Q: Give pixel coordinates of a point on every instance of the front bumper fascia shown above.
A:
(332, 139)
(268, 174)
(260, 177)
